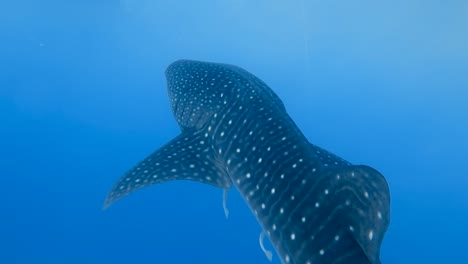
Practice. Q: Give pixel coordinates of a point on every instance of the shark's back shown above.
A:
(313, 205)
(198, 89)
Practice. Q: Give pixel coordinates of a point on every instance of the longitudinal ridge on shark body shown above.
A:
(315, 207)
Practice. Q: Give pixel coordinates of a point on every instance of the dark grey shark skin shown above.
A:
(314, 206)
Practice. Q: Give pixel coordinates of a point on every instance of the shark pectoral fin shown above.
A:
(267, 252)
(186, 157)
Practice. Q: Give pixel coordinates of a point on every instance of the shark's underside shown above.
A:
(314, 206)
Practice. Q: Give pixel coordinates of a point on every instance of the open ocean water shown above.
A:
(83, 98)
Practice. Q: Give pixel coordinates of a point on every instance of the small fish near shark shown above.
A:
(314, 206)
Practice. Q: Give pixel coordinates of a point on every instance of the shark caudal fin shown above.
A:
(187, 157)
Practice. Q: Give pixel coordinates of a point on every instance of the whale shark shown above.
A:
(313, 206)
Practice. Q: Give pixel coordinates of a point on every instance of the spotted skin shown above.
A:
(187, 157)
(314, 206)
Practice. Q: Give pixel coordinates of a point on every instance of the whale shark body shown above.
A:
(314, 206)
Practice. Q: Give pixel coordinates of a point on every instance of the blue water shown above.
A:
(83, 98)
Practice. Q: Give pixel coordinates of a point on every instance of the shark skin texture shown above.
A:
(314, 206)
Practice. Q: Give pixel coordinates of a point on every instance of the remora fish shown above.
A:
(314, 206)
